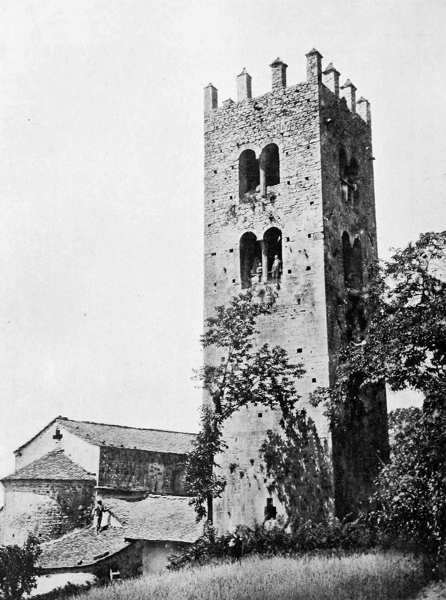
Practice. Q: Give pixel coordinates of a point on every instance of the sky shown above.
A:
(101, 180)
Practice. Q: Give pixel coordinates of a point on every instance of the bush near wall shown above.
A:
(311, 537)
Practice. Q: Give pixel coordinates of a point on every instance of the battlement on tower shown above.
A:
(327, 78)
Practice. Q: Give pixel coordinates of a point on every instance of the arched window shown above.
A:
(269, 167)
(272, 253)
(353, 169)
(250, 259)
(352, 176)
(248, 172)
(353, 281)
(343, 173)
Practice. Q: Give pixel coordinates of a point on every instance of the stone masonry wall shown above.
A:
(136, 470)
(357, 453)
(288, 117)
(308, 123)
(47, 509)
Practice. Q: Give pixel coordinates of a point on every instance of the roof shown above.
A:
(157, 518)
(54, 465)
(154, 519)
(121, 436)
(81, 548)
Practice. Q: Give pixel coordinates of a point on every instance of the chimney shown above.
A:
(210, 98)
(349, 93)
(244, 90)
(314, 66)
(278, 74)
(363, 110)
(330, 78)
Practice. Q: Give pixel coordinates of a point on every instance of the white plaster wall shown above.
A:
(155, 555)
(82, 453)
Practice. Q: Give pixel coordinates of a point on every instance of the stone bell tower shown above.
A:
(290, 213)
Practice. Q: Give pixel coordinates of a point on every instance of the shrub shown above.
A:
(330, 536)
(18, 571)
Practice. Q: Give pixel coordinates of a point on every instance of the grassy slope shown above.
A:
(361, 577)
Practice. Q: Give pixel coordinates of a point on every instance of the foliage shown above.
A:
(238, 376)
(369, 576)
(405, 341)
(201, 480)
(405, 345)
(330, 535)
(410, 498)
(299, 469)
(18, 570)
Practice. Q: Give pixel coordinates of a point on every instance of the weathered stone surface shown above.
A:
(312, 207)
(138, 470)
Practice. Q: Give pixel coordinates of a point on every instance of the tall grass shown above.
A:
(358, 577)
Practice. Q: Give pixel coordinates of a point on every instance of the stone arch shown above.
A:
(343, 167)
(269, 163)
(248, 172)
(343, 162)
(250, 258)
(353, 282)
(272, 248)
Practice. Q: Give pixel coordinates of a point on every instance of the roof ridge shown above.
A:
(42, 458)
(125, 426)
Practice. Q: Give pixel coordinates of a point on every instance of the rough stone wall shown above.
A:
(46, 509)
(362, 443)
(133, 470)
(308, 123)
(288, 117)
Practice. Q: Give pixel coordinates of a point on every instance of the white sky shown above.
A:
(101, 180)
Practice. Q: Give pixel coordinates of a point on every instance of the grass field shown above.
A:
(359, 577)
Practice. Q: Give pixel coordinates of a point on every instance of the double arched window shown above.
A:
(261, 260)
(353, 282)
(348, 175)
(257, 175)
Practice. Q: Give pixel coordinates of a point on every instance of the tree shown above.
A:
(239, 375)
(18, 570)
(405, 345)
(405, 340)
(410, 497)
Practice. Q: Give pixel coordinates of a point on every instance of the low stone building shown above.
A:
(137, 539)
(65, 467)
(47, 498)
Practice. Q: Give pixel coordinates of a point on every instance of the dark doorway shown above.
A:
(250, 258)
(272, 239)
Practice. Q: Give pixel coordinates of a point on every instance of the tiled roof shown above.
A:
(81, 548)
(157, 518)
(54, 465)
(120, 436)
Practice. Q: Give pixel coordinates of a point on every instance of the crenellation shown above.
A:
(348, 91)
(314, 66)
(210, 98)
(278, 75)
(244, 86)
(363, 110)
(330, 78)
